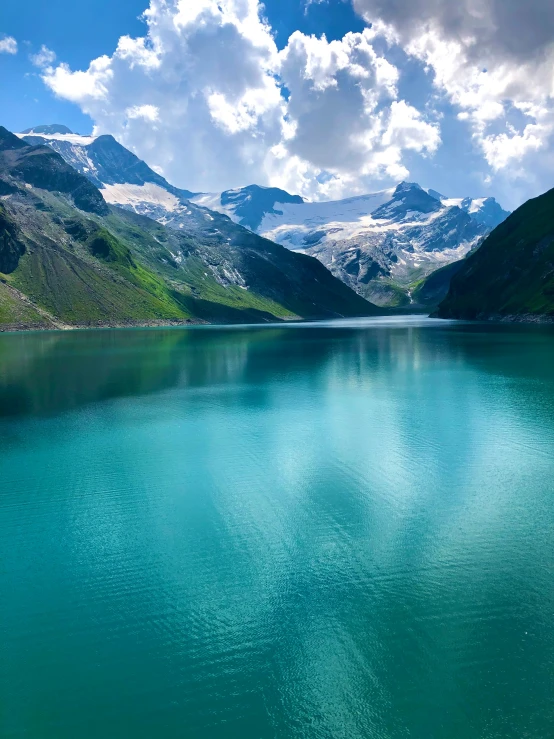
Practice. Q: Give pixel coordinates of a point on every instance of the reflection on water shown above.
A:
(52, 372)
(320, 531)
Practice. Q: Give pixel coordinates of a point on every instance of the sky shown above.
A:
(324, 98)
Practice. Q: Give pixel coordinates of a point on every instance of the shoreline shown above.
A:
(525, 318)
(60, 326)
(528, 319)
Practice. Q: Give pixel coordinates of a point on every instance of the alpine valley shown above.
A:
(70, 257)
(383, 245)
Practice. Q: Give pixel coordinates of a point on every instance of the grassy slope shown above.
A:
(62, 275)
(136, 280)
(16, 312)
(280, 283)
(512, 274)
(434, 288)
(189, 285)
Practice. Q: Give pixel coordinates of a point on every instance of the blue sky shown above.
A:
(79, 32)
(328, 99)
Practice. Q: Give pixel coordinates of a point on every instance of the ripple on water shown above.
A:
(321, 531)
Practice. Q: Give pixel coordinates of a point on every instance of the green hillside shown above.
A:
(512, 274)
(434, 288)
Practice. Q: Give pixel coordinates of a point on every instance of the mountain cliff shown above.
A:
(512, 275)
(69, 258)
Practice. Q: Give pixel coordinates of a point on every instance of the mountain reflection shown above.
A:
(53, 372)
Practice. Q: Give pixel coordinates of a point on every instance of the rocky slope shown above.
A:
(382, 245)
(512, 275)
(69, 258)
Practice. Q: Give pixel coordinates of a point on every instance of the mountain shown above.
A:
(382, 245)
(483, 210)
(248, 205)
(50, 129)
(103, 161)
(69, 258)
(512, 275)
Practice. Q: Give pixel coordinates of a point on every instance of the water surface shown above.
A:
(324, 531)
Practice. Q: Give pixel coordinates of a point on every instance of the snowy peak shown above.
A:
(103, 160)
(249, 205)
(408, 199)
(486, 211)
(406, 187)
(50, 130)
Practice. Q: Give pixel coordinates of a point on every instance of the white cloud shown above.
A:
(408, 130)
(81, 87)
(146, 112)
(339, 93)
(489, 59)
(208, 68)
(8, 45)
(207, 97)
(43, 58)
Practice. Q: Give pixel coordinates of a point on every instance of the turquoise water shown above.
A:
(322, 531)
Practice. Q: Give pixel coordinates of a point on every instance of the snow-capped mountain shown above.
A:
(484, 210)
(124, 179)
(380, 244)
(248, 205)
(106, 163)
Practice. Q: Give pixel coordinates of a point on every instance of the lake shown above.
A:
(333, 530)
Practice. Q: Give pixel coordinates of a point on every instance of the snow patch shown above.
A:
(71, 138)
(338, 221)
(212, 201)
(476, 205)
(135, 195)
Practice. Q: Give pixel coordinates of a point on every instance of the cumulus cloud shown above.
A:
(197, 96)
(493, 59)
(336, 90)
(8, 45)
(207, 97)
(43, 58)
(505, 29)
